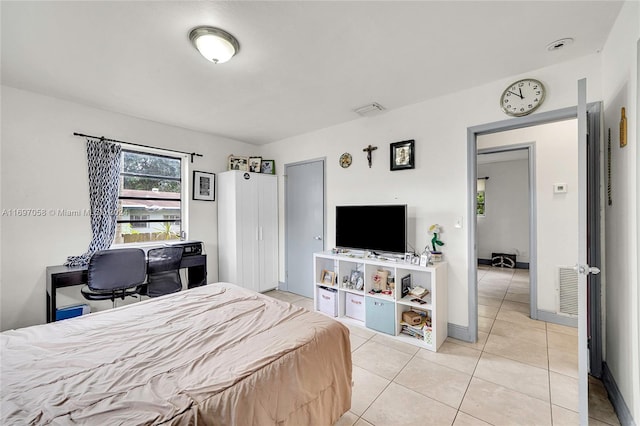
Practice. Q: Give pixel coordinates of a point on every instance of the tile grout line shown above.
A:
(388, 384)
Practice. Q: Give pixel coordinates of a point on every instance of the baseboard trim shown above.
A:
(619, 405)
(549, 316)
(459, 332)
(519, 265)
(282, 286)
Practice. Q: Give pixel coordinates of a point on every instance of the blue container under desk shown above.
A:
(72, 311)
(380, 315)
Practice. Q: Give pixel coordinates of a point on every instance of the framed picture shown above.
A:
(204, 186)
(328, 277)
(357, 279)
(406, 285)
(255, 164)
(403, 155)
(268, 167)
(238, 163)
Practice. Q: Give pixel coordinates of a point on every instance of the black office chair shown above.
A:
(163, 271)
(115, 274)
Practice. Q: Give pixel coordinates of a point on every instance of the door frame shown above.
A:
(531, 211)
(594, 110)
(285, 284)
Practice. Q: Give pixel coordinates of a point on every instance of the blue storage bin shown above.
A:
(72, 311)
(380, 315)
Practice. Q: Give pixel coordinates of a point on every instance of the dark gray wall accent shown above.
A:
(619, 405)
(459, 332)
(519, 265)
(549, 316)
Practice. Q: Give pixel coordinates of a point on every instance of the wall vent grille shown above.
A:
(567, 291)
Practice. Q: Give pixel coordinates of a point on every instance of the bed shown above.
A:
(217, 354)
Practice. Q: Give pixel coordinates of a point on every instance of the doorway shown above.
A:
(506, 219)
(594, 195)
(304, 223)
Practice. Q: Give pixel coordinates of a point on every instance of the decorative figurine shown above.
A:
(436, 255)
(435, 241)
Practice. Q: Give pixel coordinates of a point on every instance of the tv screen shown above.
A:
(380, 228)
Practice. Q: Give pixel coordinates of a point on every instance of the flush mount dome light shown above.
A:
(216, 45)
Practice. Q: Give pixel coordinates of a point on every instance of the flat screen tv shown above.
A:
(378, 228)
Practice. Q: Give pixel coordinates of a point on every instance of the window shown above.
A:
(150, 197)
(142, 218)
(480, 199)
(175, 218)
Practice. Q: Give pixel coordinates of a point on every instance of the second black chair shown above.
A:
(114, 274)
(163, 271)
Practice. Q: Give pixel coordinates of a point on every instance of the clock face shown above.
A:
(522, 97)
(345, 160)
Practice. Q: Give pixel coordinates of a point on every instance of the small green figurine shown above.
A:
(435, 241)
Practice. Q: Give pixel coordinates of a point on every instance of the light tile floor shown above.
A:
(519, 372)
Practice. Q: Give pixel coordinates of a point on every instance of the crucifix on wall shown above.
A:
(368, 150)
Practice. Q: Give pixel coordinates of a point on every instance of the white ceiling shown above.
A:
(302, 65)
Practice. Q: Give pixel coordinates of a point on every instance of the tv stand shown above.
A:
(381, 312)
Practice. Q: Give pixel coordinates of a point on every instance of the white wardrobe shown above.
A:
(248, 229)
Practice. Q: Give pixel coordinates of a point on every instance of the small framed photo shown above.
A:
(328, 277)
(268, 167)
(403, 155)
(408, 257)
(357, 279)
(238, 163)
(406, 284)
(255, 164)
(204, 186)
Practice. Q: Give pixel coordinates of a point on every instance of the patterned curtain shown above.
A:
(104, 175)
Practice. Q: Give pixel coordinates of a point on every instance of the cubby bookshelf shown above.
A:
(382, 311)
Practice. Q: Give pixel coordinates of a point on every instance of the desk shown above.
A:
(59, 276)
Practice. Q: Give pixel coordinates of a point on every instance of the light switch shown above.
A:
(559, 188)
(458, 223)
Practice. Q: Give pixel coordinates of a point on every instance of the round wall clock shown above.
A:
(345, 160)
(522, 97)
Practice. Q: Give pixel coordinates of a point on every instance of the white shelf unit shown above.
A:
(383, 312)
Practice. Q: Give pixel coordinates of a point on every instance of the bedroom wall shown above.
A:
(556, 161)
(436, 189)
(620, 89)
(505, 226)
(44, 167)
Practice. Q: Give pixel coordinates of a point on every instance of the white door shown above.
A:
(268, 231)
(582, 267)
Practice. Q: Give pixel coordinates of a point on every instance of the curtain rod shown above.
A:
(102, 138)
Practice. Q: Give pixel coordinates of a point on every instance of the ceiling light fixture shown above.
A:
(216, 45)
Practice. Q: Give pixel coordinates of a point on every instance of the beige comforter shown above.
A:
(217, 354)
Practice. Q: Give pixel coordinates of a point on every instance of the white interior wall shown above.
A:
(436, 189)
(620, 89)
(505, 226)
(44, 167)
